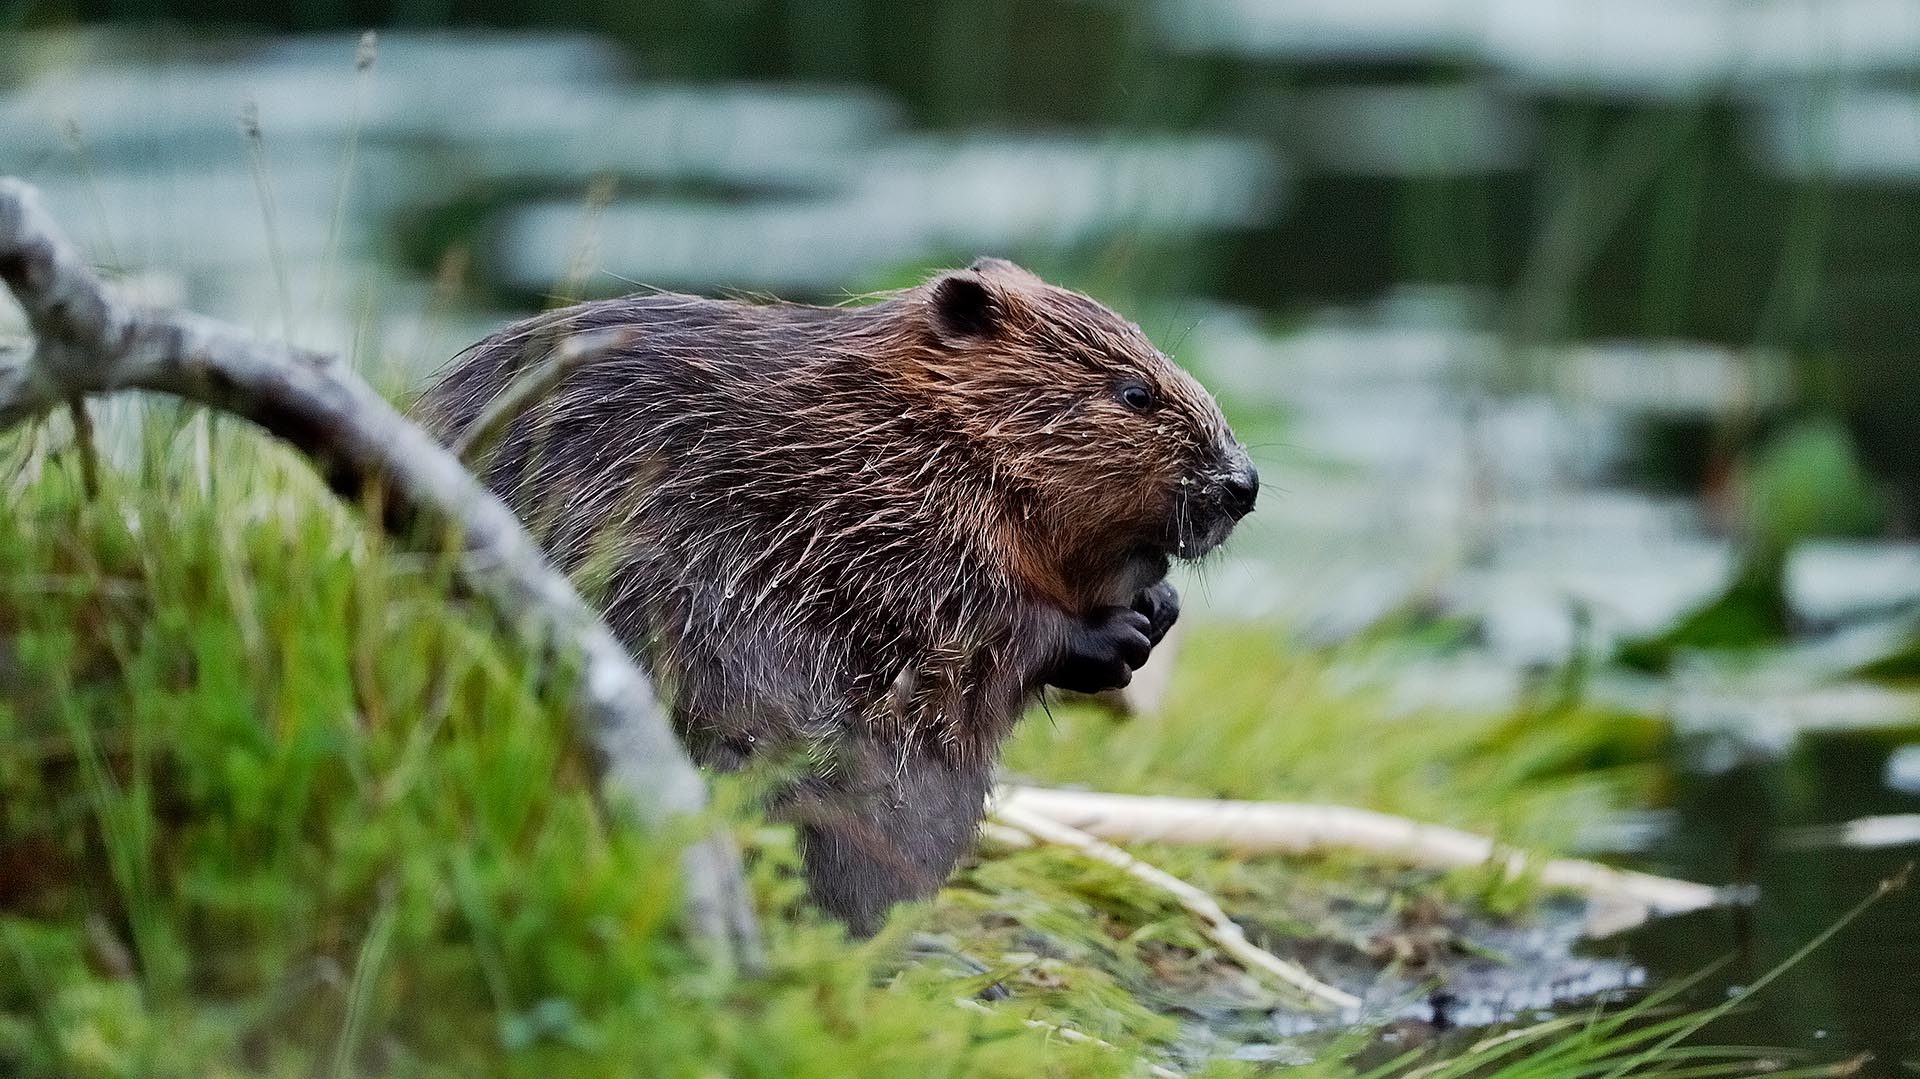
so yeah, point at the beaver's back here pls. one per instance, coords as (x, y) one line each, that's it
(772, 519)
(690, 364)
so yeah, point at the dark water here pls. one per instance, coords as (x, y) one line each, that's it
(1756, 824)
(1860, 993)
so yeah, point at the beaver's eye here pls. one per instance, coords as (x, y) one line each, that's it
(1136, 396)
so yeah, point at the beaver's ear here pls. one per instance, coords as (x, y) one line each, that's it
(965, 304)
(988, 264)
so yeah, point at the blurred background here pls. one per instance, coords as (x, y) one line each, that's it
(1576, 341)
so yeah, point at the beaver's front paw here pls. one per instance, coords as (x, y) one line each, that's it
(1161, 604)
(1104, 650)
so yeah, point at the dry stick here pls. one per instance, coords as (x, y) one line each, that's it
(1214, 921)
(89, 344)
(1281, 828)
(363, 58)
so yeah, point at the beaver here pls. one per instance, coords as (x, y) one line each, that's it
(866, 536)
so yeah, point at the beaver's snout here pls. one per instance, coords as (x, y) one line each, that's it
(1239, 488)
(1225, 495)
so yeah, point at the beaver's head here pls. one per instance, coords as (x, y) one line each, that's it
(1112, 459)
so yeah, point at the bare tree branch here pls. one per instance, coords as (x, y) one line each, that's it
(1287, 828)
(86, 343)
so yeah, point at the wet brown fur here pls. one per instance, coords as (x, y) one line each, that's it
(861, 533)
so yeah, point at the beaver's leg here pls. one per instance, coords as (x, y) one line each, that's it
(894, 842)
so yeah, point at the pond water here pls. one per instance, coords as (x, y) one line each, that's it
(1747, 824)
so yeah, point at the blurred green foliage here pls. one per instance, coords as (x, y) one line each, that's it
(1808, 482)
(1805, 483)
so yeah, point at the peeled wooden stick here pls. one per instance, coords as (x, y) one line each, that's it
(88, 343)
(1282, 828)
(1219, 928)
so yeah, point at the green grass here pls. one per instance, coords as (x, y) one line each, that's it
(274, 803)
(271, 804)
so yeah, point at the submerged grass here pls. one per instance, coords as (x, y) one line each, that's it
(275, 802)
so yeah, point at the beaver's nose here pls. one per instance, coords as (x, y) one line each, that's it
(1240, 488)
